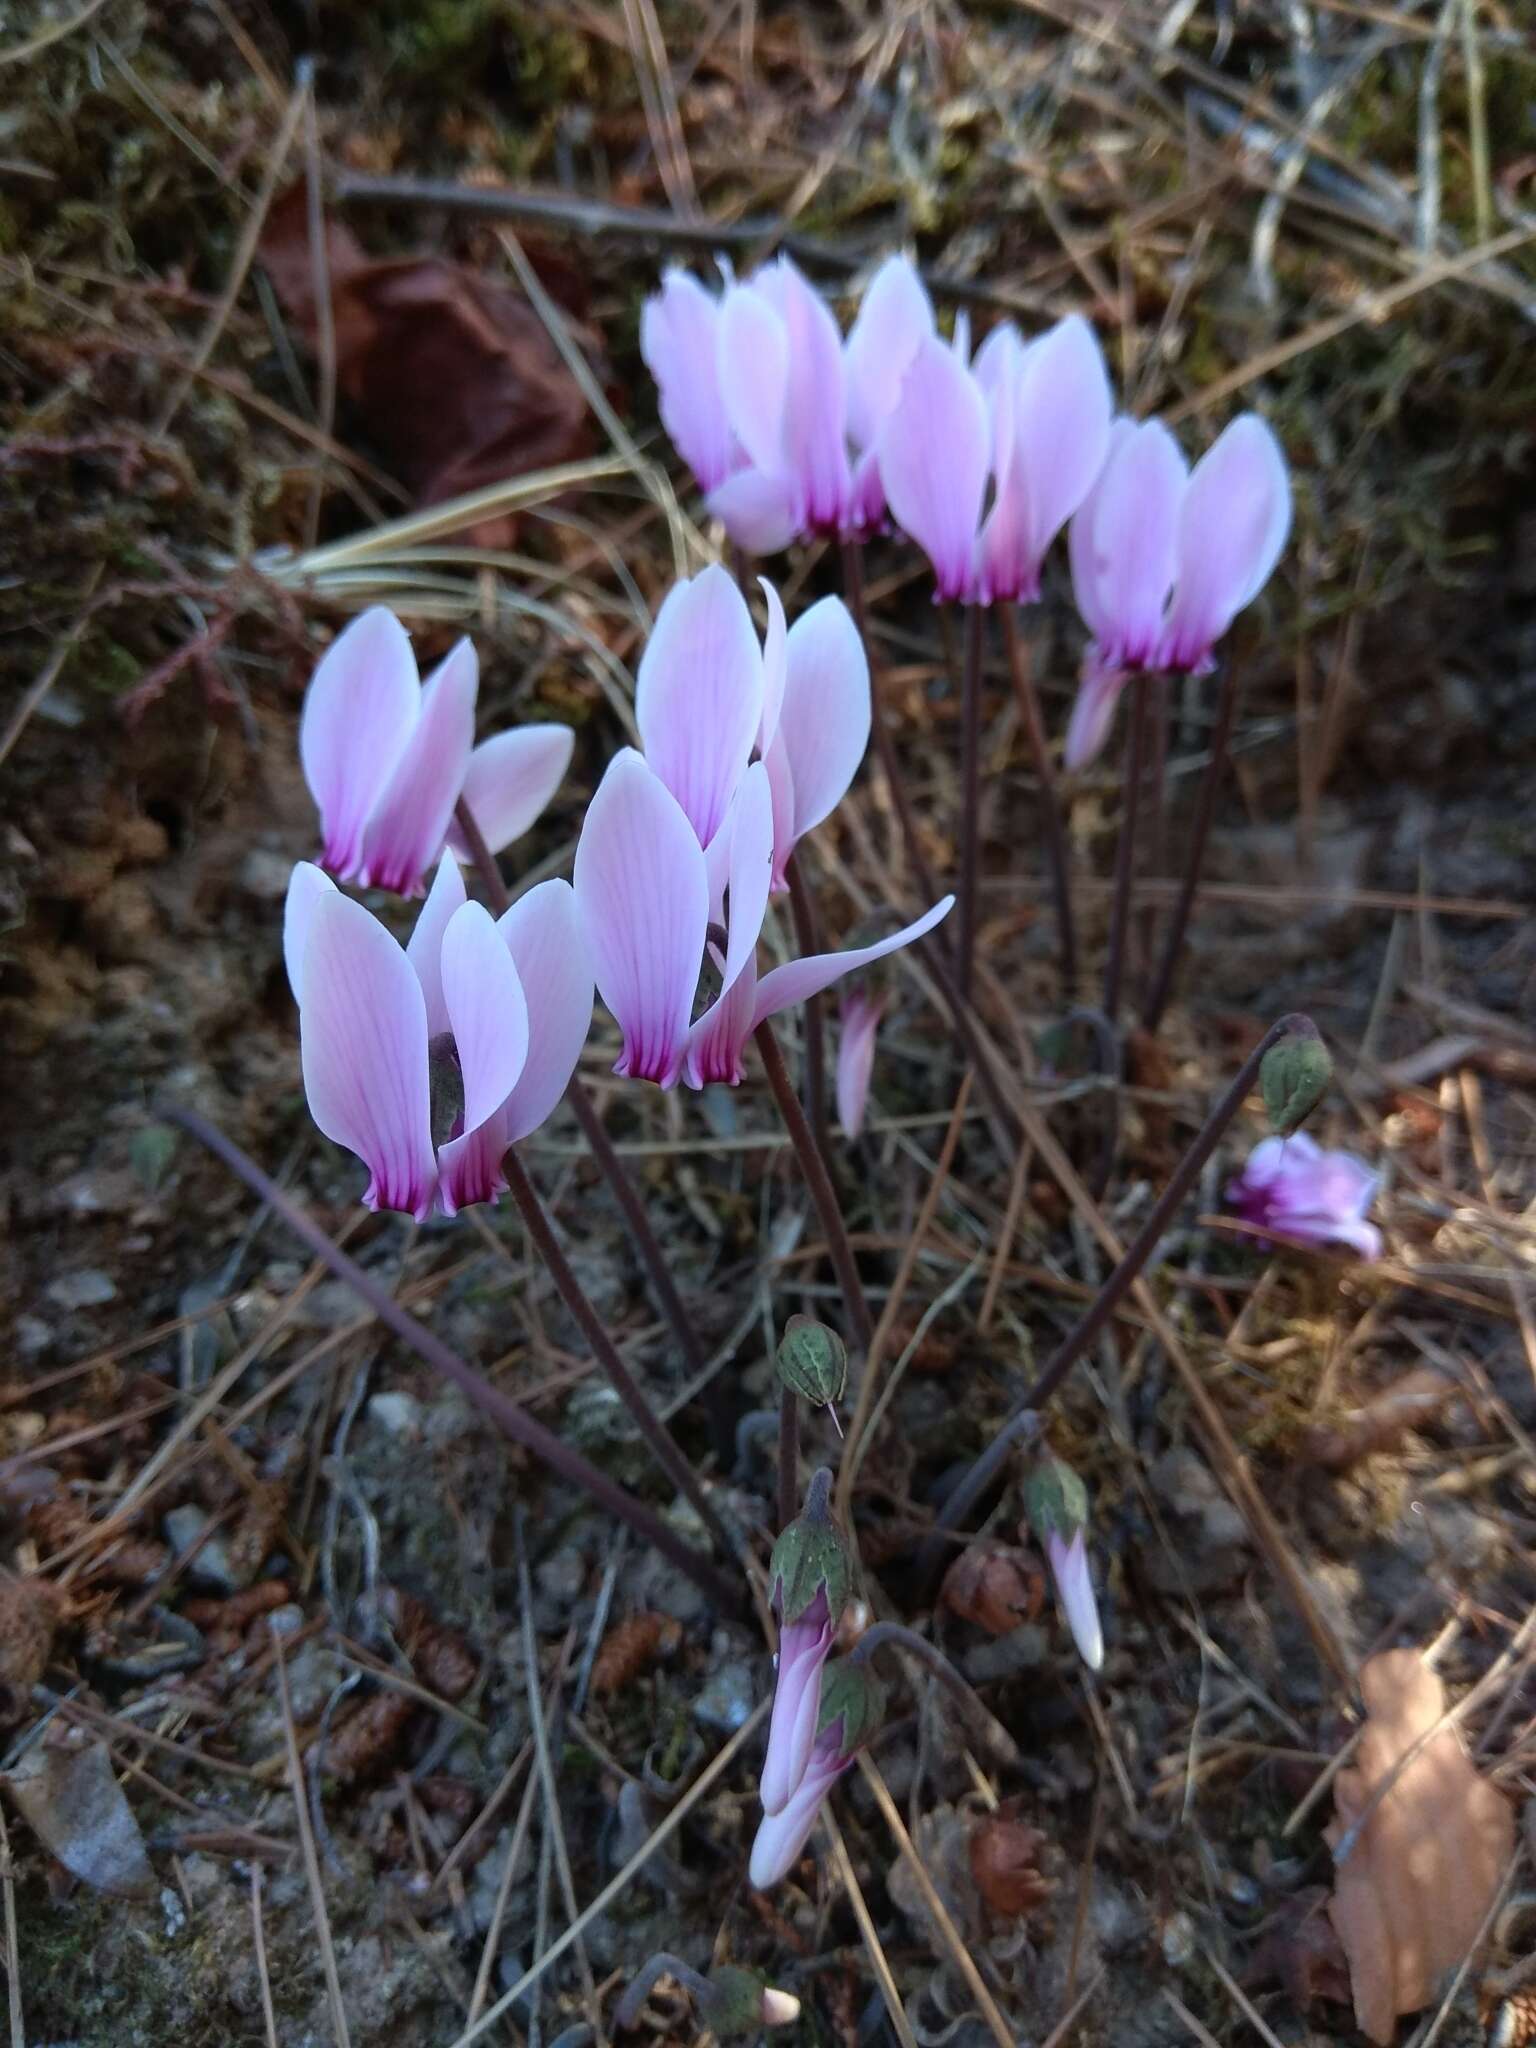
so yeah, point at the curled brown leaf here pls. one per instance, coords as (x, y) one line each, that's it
(995, 1588)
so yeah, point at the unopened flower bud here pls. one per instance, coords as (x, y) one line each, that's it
(1055, 1499)
(852, 1704)
(1294, 1076)
(811, 1557)
(737, 2001)
(812, 1361)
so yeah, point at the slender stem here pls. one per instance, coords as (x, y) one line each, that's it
(644, 1982)
(507, 1414)
(1194, 861)
(970, 796)
(817, 1181)
(1050, 806)
(1125, 851)
(1155, 799)
(974, 1482)
(892, 1635)
(663, 1444)
(1107, 1060)
(890, 767)
(803, 910)
(611, 1166)
(789, 1455)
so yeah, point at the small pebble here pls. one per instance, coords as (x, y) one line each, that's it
(88, 1288)
(726, 1698)
(396, 1414)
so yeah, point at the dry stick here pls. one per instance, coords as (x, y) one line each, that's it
(663, 1444)
(612, 1168)
(789, 1455)
(818, 1184)
(1125, 851)
(507, 1414)
(979, 1477)
(803, 910)
(970, 795)
(1050, 808)
(1205, 810)
(300, 1792)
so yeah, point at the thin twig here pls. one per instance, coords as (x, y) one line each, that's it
(1194, 860)
(300, 1792)
(259, 1943)
(789, 1455)
(1056, 849)
(1125, 851)
(12, 1940)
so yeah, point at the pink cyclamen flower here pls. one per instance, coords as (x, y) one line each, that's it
(1295, 1190)
(895, 318)
(1164, 557)
(505, 1004)
(1068, 1559)
(984, 463)
(856, 1057)
(804, 1646)
(753, 393)
(387, 757)
(783, 1835)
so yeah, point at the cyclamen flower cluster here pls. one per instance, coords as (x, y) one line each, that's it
(429, 1061)
(982, 462)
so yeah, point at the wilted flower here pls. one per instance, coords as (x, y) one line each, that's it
(852, 1706)
(488, 1017)
(1030, 416)
(1291, 1188)
(387, 758)
(1165, 557)
(856, 1057)
(766, 404)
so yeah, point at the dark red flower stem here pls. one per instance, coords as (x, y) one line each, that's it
(1194, 860)
(818, 1182)
(1125, 852)
(726, 1594)
(975, 1481)
(807, 939)
(622, 1188)
(970, 797)
(789, 1454)
(1056, 849)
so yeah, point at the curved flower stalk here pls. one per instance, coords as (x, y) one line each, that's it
(1295, 1190)
(1165, 557)
(477, 1019)
(769, 407)
(983, 463)
(387, 757)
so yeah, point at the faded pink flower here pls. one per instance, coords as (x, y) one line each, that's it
(1292, 1189)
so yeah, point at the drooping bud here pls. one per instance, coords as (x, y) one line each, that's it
(1055, 1499)
(811, 1557)
(737, 2001)
(1056, 1502)
(852, 1704)
(1294, 1076)
(812, 1361)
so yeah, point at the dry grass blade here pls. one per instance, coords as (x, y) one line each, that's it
(55, 32)
(842, 1863)
(300, 1794)
(965, 1963)
(12, 1943)
(259, 1941)
(615, 1887)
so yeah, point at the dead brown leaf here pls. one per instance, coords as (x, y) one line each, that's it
(30, 1612)
(453, 373)
(1005, 1862)
(631, 1648)
(1412, 1893)
(68, 1794)
(997, 1589)
(1381, 1423)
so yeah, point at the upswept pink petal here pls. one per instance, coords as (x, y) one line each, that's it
(488, 1015)
(1093, 711)
(804, 1647)
(542, 931)
(1232, 525)
(824, 723)
(1061, 435)
(642, 891)
(307, 885)
(363, 1047)
(1074, 1589)
(775, 666)
(856, 1059)
(699, 696)
(783, 1835)
(815, 429)
(781, 779)
(679, 343)
(509, 781)
(753, 358)
(996, 369)
(894, 318)
(718, 1041)
(359, 713)
(757, 509)
(1124, 539)
(798, 980)
(935, 452)
(424, 949)
(407, 828)
(751, 870)
(1002, 566)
